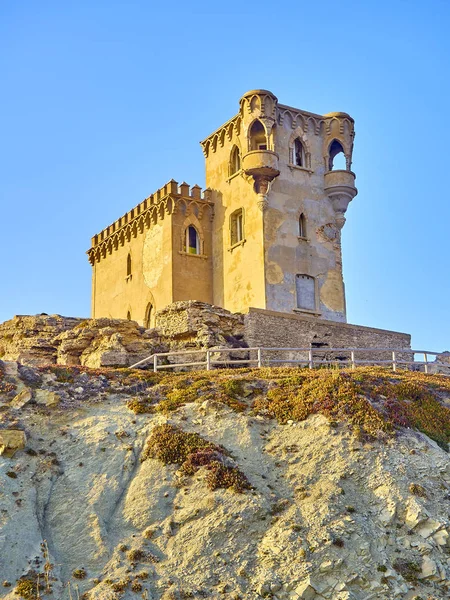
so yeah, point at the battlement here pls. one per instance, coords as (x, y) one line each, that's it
(164, 200)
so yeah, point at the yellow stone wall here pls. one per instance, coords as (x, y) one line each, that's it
(162, 272)
(262, 270)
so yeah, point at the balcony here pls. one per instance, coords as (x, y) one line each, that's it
(340, 179)
(340, 188)
(262, 163)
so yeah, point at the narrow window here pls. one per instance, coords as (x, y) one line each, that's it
(235, 161)
(306, 292)
(237, 226)
(129, 265)
(129, 316)
(148, 316)
(302, 226)
(258, 139)
(299, 153)
(337, 157)
(192, 240)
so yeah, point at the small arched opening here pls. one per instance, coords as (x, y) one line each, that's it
(148, 319)
(129, 316)
(128, 266)
(235, 161)
(257, 136)
(336, 155)
(302, 226)
(192, 240)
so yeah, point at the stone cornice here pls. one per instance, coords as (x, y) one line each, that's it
(166, 200)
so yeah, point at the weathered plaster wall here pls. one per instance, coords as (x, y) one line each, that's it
(295, 191)
(238, 272)
(162, 272)
(114, 294)
(262, 271)
(191, 273)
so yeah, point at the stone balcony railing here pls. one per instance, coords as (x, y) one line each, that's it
(263, 163)
(340, 179)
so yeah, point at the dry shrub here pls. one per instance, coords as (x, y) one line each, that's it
(222, 476)
(172, 445)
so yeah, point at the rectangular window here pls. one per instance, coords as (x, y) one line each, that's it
(237, 227)
(306, 292)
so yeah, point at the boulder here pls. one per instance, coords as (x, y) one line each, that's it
(47, 398)
(21, 399)
(11, 440)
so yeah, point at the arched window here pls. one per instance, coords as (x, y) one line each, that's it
(302, 226)
(336, 157)
(305, 286)
(299, 153)
(129, 266)
(257, 136)
(129, 316)
(192, 240)
(237, 227)
(148, 316)
(235, 161)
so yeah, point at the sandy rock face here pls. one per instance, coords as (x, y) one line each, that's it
(11, 440)
(31, 339)
(50, 339)
(328, 516)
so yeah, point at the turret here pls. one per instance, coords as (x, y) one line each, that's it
(258, 110)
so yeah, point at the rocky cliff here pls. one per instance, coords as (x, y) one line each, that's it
(241, 484)
(46, 339)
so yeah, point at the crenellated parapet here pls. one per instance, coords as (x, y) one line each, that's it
(168, 200)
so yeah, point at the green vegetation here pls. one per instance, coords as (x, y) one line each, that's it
(374, 401)
(26, 588)
(79, 573)
(172, 445)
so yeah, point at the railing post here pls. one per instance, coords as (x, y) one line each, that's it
(394, 361)
(155, 363)
(208, 360)
(259, 358)
(311, 364)
(425, 356)
(353, 360)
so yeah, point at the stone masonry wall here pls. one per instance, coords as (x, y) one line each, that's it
(280, 330)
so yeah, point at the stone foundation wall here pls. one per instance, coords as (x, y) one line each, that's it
(281, 330)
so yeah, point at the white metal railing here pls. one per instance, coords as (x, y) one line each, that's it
(259, 357)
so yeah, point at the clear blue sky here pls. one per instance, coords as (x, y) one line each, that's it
(103, 102)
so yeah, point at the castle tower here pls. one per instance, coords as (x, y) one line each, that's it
(279, 204)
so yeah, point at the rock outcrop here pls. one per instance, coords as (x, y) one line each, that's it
(125, 486)
(53, 339)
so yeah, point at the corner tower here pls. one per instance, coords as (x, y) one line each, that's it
(280, 197)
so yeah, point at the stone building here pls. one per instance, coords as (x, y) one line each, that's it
(265, 233)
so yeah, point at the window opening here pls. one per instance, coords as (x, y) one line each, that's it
(148, 315)
(306, 292)
(258, 139)
(299, 153)
(129, 265)
(192, 240)
(337, 157)
(237, 226)
(302, 226)
(235, 161)
(129, 316)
